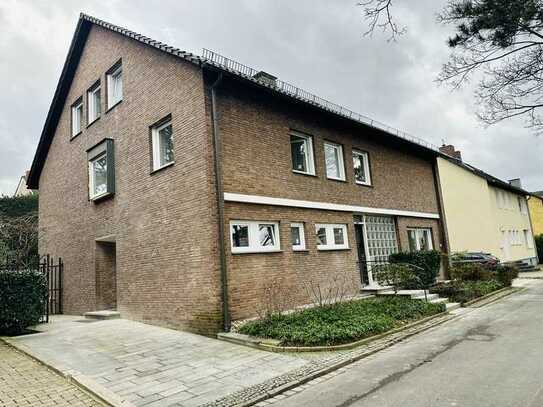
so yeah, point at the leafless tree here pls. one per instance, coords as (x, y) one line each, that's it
(19, 239)
(378, 13)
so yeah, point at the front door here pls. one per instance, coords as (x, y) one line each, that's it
(361, 247)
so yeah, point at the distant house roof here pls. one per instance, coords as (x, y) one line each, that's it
(216, 62)
(538, 193)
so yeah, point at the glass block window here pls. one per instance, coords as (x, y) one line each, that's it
(381, 237)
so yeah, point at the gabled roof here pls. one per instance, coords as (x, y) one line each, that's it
(538, 193)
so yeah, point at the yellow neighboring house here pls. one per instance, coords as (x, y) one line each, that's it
(535, 205)
(483, 213)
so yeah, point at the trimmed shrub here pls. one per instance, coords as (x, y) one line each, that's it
(341, 322)
(427, 264)
(464, 291)
(22, 300)
(471, 272)
(539, 245)
(505, 275)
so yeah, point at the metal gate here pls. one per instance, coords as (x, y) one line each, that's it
(53, 271)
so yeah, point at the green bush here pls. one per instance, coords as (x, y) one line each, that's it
(505, 275)
(471, 272)
(427, 264)
(539, 245)
(341, 322)
(464, 291)
(22, 300)
(14, 207)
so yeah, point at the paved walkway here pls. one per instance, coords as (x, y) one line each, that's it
(24, 382)
(154, 366)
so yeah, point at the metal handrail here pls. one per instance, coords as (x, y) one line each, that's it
(213, 58)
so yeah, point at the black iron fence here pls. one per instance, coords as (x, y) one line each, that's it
(52, 269)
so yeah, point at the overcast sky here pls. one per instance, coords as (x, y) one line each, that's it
(317, 45)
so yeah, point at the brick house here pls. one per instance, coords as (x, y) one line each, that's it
(175, 186)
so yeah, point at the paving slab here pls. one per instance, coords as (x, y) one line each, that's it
(149, 365)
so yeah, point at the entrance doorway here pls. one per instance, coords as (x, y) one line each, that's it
(106, 275)
(361, 248)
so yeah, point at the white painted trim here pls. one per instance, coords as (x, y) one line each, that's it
(267, 200)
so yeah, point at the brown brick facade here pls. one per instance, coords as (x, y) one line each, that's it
(164, 224)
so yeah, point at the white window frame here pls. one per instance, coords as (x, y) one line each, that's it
(301, 229)
(254, 244)
(364, 156)
(155, 137)
(528, 239)
(341, 164)
(310, 157)
(110, 80)
(429, 238)
(330, 241)
(77, 113)
(92, 180)
(91, 96)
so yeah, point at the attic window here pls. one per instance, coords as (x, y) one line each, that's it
(114, 85)
(77, 117)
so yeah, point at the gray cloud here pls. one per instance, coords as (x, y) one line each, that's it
(317, 45)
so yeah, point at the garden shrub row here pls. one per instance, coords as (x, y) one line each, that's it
(426, 266)
(22, 300)
(341, 322)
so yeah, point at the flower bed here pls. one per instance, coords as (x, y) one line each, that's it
(342, 322)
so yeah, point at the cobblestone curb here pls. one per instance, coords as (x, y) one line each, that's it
(85, 383)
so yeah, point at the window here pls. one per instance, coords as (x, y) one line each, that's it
(528, 239)
(522, 205)
(515, 238)
(333, 157)
(77, 117)
(114, 85)
(301, 148)
(254, 237)
(361, 166)
(297, 236)
(101, 170)
(94, 100)
(331, 237)
(162, 144)
(419, 239)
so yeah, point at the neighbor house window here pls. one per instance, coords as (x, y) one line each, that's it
(522, 205)
(101, 170)
(114, 85)
(162, 144)
(528, 239)
(331, 236)
(94, 103)
(301, 147)
(77, 117)
(254, 237)
(333, 156)
(419, 239)
(361, 167)
(297, 236)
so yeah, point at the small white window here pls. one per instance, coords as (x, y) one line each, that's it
(101, 167)
(331, 236)
(301, 149)
(297, 236)
(522, 205)
(77, 116)
(115, 86)
(254, 237)
(162, 142)
(361, 166)
(333, 156)
(420, 239)
(94, 100)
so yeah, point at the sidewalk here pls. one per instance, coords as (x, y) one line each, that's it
(153, 366)
(24, 382)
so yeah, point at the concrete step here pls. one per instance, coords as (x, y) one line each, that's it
(452, 306)
(439, 300)
(428, 297)
(102, 315)
(375, 289)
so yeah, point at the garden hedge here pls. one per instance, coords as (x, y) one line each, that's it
(23, 297)
(13, 207)
(427, 265)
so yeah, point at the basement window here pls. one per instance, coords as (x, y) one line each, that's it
(101, 168)
(254, 236)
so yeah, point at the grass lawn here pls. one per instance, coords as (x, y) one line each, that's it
(341, 323)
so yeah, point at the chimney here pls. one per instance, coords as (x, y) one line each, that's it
(450, 151)
(265, 77)
(515, 182)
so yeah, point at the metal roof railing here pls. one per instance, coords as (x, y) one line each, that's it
(247, 72)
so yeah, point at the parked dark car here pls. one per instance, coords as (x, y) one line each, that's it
(484, 259)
